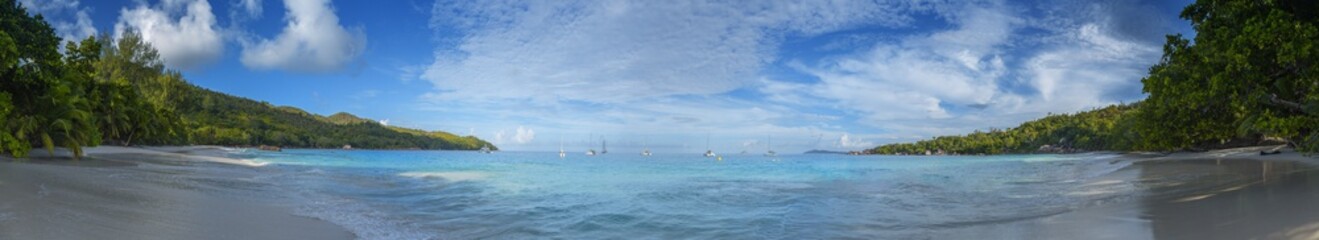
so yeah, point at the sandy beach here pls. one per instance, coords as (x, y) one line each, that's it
(1221, 194)
(138, 193)
(196, 193)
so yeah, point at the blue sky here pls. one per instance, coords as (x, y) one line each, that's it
(838, 75)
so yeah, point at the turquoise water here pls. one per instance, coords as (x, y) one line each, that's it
(448, 194)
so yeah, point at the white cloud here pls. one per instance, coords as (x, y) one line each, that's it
(677, 71)
(915, 77)
(617, 51)
(524, 135)
(313, 41)
(1092, 66)
(521, 135)
(251, 7)
(951, 81)
(847, 142)
(70, 20)
(184, 32)
(662, 122)
(499, 137)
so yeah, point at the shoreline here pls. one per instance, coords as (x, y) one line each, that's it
(1220, 194)
(1286, 154)
(149, 193)
(190, 192)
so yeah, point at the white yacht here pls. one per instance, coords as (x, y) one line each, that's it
(708, 152)
(645, 150)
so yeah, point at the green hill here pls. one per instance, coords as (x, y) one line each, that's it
(343, 118)
(222, 119)
(97, 91)
(1099, 129)
(1249, 77)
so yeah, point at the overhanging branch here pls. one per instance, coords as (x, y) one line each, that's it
(1273, 98)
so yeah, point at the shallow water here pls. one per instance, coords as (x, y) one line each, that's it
(443, 194)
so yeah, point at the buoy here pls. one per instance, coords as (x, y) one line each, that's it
(720, 158)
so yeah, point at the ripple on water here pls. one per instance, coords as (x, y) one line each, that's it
(829, 198)
(452, 176)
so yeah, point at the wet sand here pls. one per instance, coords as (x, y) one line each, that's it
(132, 193)
(1227, 194)
(194, 193)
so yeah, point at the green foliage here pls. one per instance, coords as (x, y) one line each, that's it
(48, 107)
(1250, 71)
(120, 92)
(1100, 129)
(222, 119)
(343, 118)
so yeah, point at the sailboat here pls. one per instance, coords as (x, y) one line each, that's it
(485, 149)
(603, 148)
(768, 146)
(561, 153)
(645, 152)
(708, 152)
(592, 151)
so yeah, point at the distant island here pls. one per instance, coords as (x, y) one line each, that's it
(101, 91)
(818, 151)
(1250, 77)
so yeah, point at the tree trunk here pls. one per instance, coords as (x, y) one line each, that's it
(1273, 98)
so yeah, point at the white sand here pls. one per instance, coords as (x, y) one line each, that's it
(135, 193)
(1248, 153)
(170, 151)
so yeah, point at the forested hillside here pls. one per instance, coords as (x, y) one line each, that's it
(1099, 129)
(217, 118)
(104, 91)
(1249, 75)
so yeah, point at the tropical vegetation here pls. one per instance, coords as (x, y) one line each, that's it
(102, 90)
(1249, 75)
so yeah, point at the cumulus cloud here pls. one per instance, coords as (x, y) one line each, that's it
(251, 7)
(184, 32)
(312, 41)
(616, 51)
(69, 18)
(524, 135)
(521, 135)
(984, 71)
(915, 78)
(847, 142)
(841, 74)
(1095, 69)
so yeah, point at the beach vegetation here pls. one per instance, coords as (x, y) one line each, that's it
(107, 90)
(1249, 75)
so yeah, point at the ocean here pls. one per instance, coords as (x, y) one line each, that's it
(517, 195)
